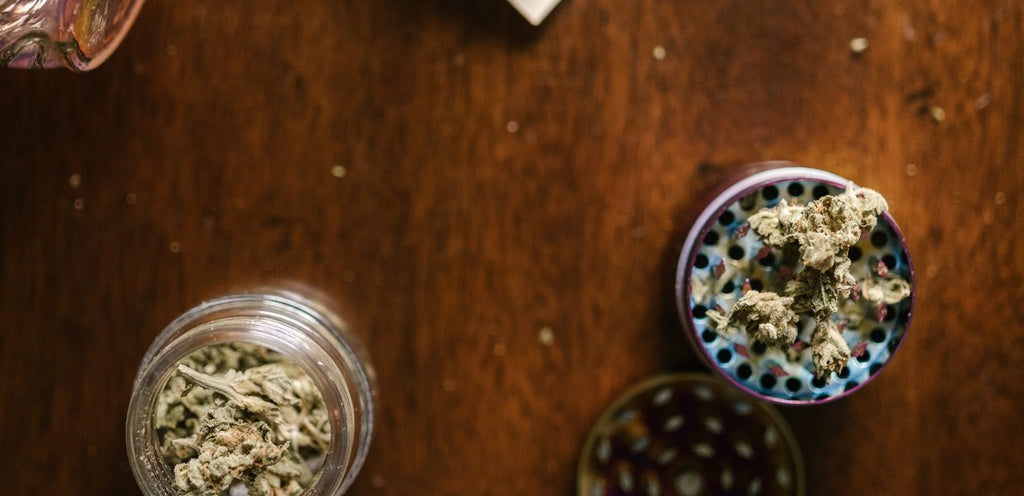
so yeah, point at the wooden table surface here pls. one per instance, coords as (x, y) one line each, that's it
(498, 179)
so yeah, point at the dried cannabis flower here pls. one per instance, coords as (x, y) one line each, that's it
(821, 234)
(767, 317)
(228, 448)
(238, 414)
(885, 291)
(829, 350)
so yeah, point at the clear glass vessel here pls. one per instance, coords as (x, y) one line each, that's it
(77, 34)
(304, 332)
(689, 434)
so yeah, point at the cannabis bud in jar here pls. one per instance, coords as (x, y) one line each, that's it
(815, 239)
(251, 394)
(239, 414)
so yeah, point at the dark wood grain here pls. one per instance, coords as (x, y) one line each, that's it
(501, 179)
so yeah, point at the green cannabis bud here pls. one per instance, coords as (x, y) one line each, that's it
(829, 350)
(767, 317)
(241, 415)
(820, 234)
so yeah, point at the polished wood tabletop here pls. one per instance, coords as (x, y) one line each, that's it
(498, 210)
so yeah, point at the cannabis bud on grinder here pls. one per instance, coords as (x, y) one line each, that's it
(259, 394)
(794, 284)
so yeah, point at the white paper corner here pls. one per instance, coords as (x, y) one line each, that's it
(534, 10)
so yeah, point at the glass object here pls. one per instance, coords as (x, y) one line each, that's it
(689, 434)
(299, 329)
(720, 260)
(77, 34)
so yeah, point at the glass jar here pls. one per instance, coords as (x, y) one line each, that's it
(77, 34)
(688, 434)
(303, 331)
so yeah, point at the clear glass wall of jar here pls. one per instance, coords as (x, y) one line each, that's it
(301, 330)
(77, 34)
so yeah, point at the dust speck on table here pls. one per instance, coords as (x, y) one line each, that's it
(500, 349)
(551, 466)
(546, 336)
(858, 45)
(983, 101)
